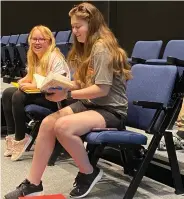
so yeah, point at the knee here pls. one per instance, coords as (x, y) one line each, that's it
(62, 127)
(7, 94)
(47, 124)
(17, 97)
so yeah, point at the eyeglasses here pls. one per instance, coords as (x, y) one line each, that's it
(40, 40)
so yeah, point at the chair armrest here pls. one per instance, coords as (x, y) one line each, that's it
(2, 44)
(156, 62)
(24, 44)
(175, 61)
(136, 60)
(12, 44)
(150, 105)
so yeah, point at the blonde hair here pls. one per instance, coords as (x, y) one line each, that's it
(79, 56)
(32, 59)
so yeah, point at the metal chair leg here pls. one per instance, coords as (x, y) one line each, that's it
(179, 188)
(142, 169)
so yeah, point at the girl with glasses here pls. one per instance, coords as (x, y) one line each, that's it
(43, 56)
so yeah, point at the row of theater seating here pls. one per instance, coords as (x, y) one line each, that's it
(14, 49)
(148, 52)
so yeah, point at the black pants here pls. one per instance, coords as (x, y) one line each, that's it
(14, 101)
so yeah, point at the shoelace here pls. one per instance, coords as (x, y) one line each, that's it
(77, 179)
(80, 180)
(23, 184)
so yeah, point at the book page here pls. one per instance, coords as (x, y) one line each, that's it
(39, 80)
(55, 80)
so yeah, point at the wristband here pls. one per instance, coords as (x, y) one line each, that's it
(69, 95)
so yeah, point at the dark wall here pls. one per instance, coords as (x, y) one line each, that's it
(21, 16)
(148, 21)
(130, 21)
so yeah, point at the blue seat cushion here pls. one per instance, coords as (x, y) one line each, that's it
(37, 112)
(116, 137)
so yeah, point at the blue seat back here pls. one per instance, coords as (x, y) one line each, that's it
(147, 49)
(5, 40)
(22, 39)
(13, 39)
(54, 33)
(174, 48)
(63, 36)
(71, 39)
(150, 83)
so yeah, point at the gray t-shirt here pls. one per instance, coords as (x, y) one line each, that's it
(101, 73)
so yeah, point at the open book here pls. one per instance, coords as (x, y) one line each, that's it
(53, 80)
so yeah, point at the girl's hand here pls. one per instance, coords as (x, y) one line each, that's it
(56, 95)
(26, 86)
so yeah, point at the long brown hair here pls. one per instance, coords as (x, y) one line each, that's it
(32, 59)
(79, 55)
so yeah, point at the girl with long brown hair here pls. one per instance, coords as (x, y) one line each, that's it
(100, 74)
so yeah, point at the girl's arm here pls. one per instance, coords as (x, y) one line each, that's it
(75, 86)
(91, 92)
(25, 79)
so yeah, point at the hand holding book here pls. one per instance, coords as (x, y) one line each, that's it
(56, 95)
(26, 86)
(53, 81)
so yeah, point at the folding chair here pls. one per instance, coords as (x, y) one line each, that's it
(11, 45)
(54, 33)
(11, 53)
(173, 50)
(149, 109)
(21, 54)
(4, 59)
(144, 50)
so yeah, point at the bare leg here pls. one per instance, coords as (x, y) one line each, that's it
(45, 143)
(68, 131)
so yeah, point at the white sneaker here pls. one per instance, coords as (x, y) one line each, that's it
(19, 147)
(178, 142)
(8, 146)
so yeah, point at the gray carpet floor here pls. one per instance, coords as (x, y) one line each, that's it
(59, 179)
